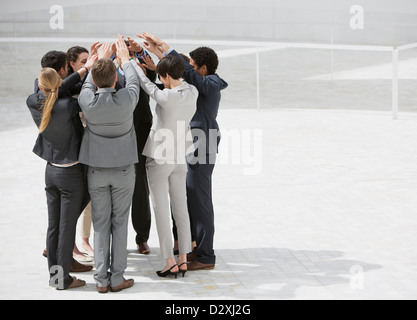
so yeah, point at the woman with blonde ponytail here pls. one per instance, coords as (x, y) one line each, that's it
(59, 141)
(49, 82)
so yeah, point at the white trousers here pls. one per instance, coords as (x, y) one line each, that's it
(167, 184)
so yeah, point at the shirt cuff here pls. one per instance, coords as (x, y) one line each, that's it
(169, 51)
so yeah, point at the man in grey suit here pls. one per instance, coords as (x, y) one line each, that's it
(109, 149)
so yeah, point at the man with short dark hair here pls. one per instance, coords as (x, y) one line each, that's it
(109, 149)
(56, 60)
(200, 72)
(104, 73)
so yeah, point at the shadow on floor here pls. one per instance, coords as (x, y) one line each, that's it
(253, 273)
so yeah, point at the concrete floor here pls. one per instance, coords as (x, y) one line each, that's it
(326, 209)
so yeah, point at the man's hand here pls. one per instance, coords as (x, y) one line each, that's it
(105, 51)
(82, 71)
(93, 58)
(154, 42)
(122, 50)
(148, 36)
(148, 63)
(134, 46)
(151, 46)
(94, 48)
(142, 67)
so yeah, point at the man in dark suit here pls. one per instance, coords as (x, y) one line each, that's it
(200, 72)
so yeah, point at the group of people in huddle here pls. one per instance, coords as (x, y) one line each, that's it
(108, 154)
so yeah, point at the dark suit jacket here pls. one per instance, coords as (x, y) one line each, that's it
(60, 142)
(208, 103)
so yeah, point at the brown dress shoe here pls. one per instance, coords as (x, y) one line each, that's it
(126, 284)
(78, 267)
(195, 265)
(102, 290)
(76, 283)
(143, 248)
(191, 256)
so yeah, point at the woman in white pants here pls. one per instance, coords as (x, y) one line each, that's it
(169, 142)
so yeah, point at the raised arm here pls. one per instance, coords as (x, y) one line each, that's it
(87, 93)
(160, 96)
(132, 81)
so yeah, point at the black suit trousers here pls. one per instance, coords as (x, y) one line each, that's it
(141, 210)
(200, 208)
(67, 196)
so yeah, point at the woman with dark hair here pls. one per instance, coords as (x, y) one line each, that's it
(59, 140)
(77, 58)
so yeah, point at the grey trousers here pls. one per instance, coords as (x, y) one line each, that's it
(167, 184)
(111, 192)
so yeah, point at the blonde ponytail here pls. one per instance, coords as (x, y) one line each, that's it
(49, 82)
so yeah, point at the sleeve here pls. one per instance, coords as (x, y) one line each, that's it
(204, 85)
(68, 83)
(74, 107)
(87, 93)
(150, 88)
(132, 82)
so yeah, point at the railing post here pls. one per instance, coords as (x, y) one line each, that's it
(258, 81)
(332, 54)
(395, 95)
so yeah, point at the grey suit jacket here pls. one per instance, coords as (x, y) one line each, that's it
(170, 139)
(110, 140)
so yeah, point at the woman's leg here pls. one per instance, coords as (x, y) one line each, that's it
(159, 190)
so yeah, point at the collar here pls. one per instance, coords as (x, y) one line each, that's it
(183, 86)
(106, 90)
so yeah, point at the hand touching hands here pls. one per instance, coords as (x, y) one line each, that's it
(105, 51)
(148, 63)
(122, 50)
(134, 46)
(154, 44)
(148, 36)
(93, 58)
(94, 48)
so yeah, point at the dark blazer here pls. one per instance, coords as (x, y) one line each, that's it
(60, 142)
(208, 102)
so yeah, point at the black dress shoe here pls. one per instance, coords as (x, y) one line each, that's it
(167, 273)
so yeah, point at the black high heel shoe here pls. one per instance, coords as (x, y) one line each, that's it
(183, 271)
(168, 273)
